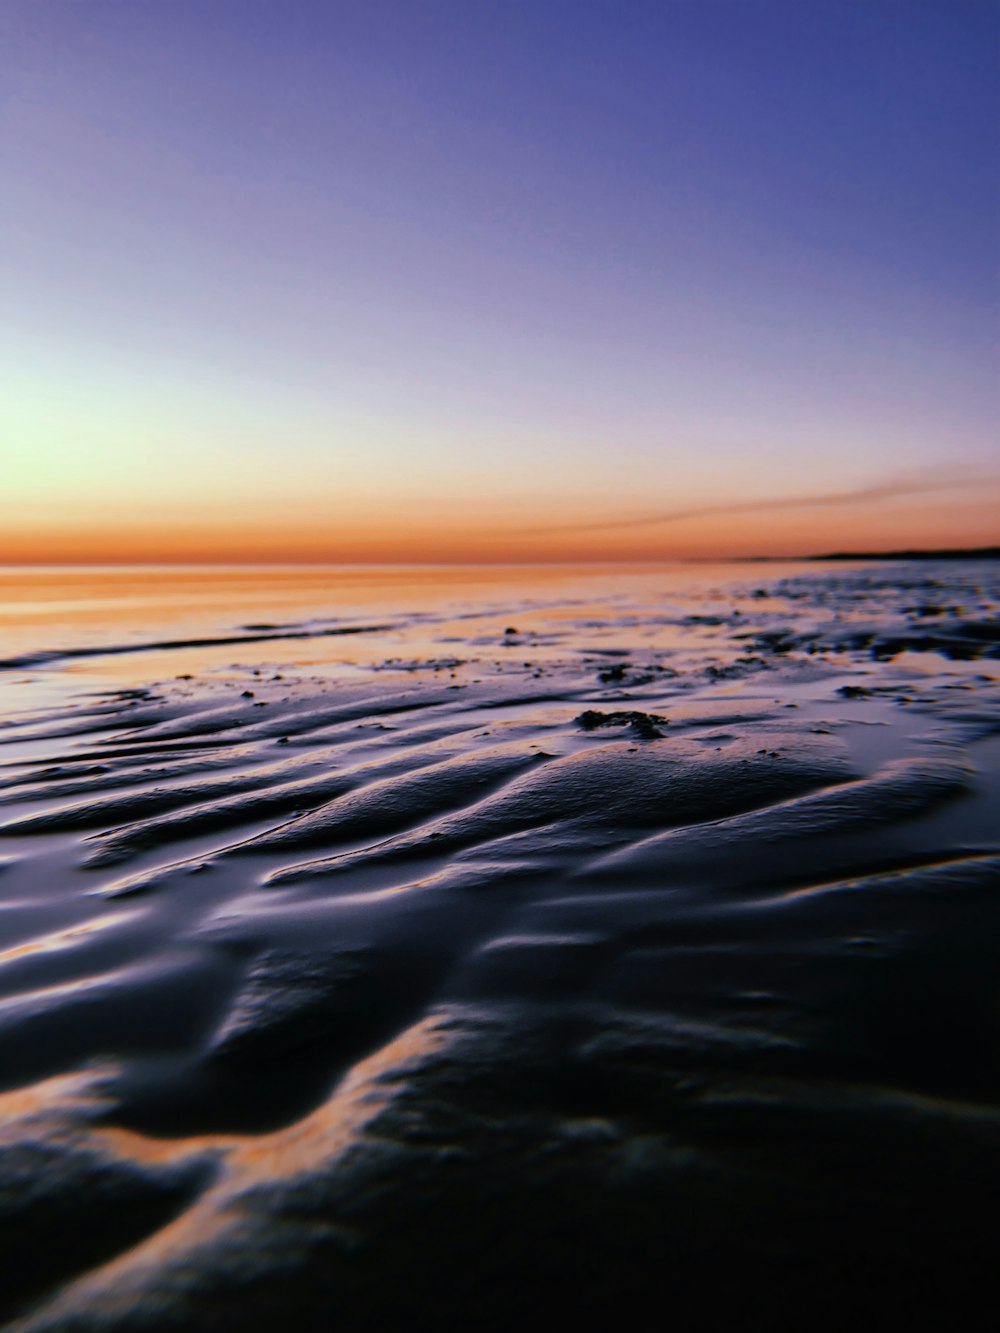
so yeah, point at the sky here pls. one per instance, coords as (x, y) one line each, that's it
(497, 279)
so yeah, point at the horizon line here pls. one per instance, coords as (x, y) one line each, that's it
(948, 552)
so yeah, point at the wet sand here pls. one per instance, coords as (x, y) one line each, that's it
(616, 940)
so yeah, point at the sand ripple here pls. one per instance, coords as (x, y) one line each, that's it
(344, 1002)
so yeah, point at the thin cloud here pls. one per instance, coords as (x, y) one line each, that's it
(863, 495)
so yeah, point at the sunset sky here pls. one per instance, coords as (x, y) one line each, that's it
(497, 279)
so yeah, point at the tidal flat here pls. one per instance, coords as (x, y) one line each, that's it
(412, 948)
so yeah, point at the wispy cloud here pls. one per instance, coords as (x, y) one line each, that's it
(887, 490)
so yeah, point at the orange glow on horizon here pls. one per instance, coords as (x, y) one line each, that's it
(443, 537)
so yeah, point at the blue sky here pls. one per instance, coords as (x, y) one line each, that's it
(349, 262)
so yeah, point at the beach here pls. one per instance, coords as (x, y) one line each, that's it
(412, 947)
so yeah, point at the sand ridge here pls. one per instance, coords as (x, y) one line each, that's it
(341, 997)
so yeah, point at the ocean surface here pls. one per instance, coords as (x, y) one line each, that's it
(414, 947)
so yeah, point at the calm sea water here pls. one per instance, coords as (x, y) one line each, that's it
(120, 621)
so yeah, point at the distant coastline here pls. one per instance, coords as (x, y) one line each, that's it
(946, 553)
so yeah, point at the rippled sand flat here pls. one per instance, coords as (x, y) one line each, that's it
(620, 941)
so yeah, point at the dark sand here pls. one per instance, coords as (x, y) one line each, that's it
(629, 956)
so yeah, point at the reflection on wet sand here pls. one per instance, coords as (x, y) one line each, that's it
(601, 937)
